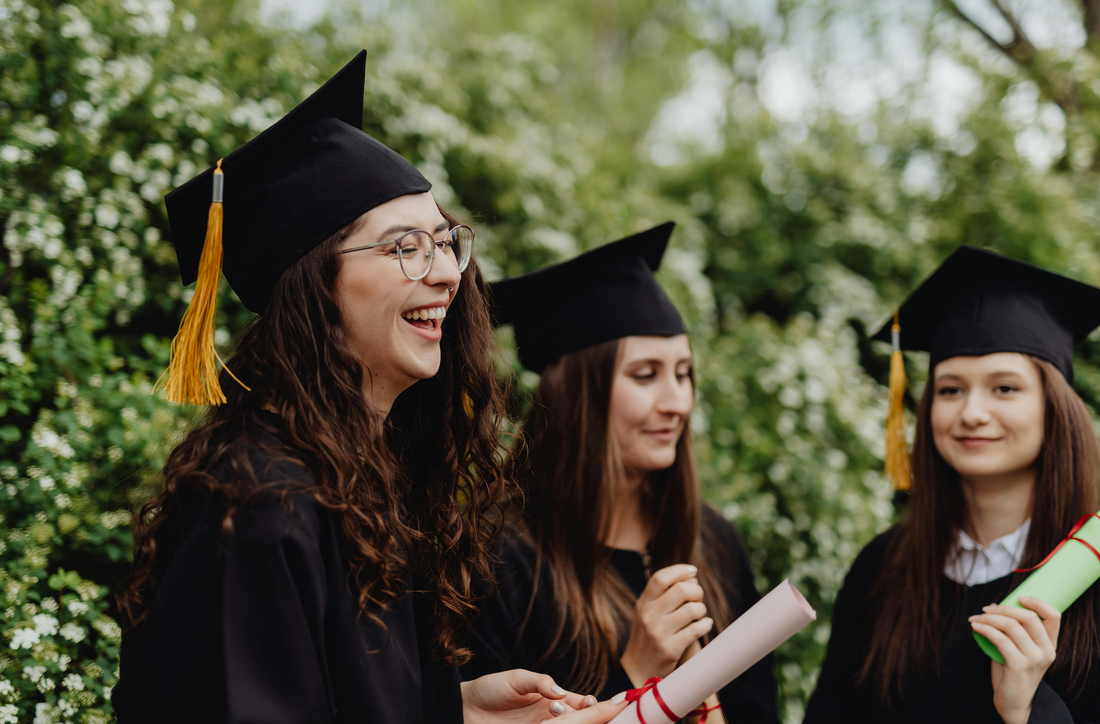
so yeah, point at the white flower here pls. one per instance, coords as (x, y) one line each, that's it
(34, 673)
(6, 687)
(9, 714)
(72, 632)
(78, 608)
(45, 624)
(24, 638)
(73, 682)
(11, 154)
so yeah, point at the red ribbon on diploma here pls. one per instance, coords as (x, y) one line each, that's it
(635, 695)
(1069, 536)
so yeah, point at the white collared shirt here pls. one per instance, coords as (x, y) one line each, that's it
(971, 563)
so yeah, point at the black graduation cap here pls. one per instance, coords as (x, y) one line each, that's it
(604, 294)
(979, 302)
(300, 181)
(266, 205)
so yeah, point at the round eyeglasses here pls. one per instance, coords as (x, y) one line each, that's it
(415, 250)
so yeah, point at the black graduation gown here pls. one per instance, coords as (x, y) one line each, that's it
(750, 698)
(962, 691)
(260, 626)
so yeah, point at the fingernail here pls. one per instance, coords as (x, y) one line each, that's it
(692, 570)
(972, 618)
(590, 701)
(1026, 598)
(988, 608)
(557, 708)
(557, 690)
(619, 698)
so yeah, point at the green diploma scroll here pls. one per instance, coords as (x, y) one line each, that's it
(1061, 579)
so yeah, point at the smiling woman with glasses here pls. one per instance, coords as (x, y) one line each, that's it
(311, 555)
(415, 248)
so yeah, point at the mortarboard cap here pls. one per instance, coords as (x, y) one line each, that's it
(290, 188)
(274, 199)
(604, 294)
(979, 302)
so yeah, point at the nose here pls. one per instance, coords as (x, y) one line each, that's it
(676, 397)
(443, 271)
(974, 412)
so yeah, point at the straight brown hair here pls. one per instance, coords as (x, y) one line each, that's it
(570, 473)
(907, 625)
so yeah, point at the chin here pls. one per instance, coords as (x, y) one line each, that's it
(422, 369)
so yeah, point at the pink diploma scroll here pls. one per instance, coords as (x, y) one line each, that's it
(757, 632)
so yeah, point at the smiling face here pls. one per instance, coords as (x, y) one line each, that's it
(988, 414)
(651, 400)
(393, 324)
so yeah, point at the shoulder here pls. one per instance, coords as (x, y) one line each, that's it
(277, 516)
(867, 565)
(717, 525)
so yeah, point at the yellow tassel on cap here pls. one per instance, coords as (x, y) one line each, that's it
(192, 374)
(898, 467)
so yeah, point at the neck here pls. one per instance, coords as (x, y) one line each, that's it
(997, 505)
(379, 392)
(630, 529)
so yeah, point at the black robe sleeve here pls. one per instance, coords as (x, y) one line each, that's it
(259, 625)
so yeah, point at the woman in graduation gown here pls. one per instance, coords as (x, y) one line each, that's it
(612, 570)
(1005, 461)
(310, 555)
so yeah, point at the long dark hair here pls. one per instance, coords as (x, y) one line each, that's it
(907, 627)
(570, 473)
(417, 490)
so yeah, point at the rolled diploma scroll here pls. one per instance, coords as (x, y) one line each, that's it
(1060, 581)
(756, 633)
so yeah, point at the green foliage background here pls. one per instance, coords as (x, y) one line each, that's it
(544, 123)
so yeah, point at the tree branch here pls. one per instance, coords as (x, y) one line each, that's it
(1022, 51)
(1021, 45)
(1092, 23)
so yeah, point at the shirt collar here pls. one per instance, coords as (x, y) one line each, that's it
(1013, 543)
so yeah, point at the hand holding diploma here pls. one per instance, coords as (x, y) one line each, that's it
(757, 632)
(1061, 578)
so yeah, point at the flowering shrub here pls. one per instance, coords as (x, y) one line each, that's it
(791, 245)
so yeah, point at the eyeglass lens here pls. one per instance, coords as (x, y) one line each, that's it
(418, 248)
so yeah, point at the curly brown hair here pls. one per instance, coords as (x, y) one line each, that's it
(417, 490)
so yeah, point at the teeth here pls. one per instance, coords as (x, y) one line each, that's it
(425, 314)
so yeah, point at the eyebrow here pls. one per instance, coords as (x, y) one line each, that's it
(999, 373)
(401, 229)
(656, 361)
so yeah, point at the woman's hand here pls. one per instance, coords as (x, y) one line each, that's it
(669, 615)
(1026, 640)
(519, 697)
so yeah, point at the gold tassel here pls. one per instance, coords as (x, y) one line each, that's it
(898, 467)
(192, 374)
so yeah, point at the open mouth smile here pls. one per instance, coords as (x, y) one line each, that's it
(426, 318)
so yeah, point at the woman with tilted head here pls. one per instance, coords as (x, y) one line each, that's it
(612, 570)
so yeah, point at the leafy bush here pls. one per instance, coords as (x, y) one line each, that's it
(537, 120)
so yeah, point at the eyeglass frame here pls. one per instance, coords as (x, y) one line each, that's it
(431, 256)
